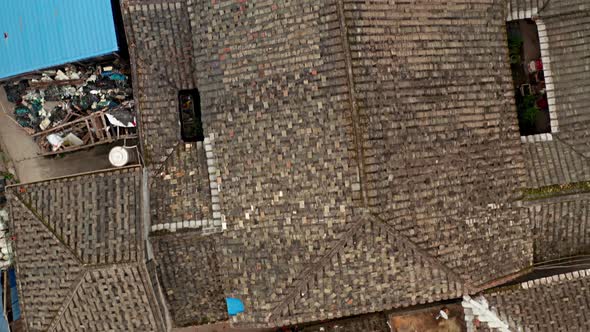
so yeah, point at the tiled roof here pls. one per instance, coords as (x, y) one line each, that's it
(440, 138)
(552, 304)
(345, 133)
(96, 215)
(189, 274)
(564, 157)
(561, 226)
(79, 249)
(521, 9)
(375, 269)
(567, 25)
(564, 7)
(180, 189)
(555, 162)
(161, 31)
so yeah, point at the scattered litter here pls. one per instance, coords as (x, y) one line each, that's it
(121, 118)
(6, 255)
(45, 123)
(55, 140)
(61, 76)
(75, 105)
(72, 140)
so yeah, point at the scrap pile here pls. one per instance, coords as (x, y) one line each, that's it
(76, 106)
(5, 245)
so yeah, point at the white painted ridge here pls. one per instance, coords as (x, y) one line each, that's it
(481, 310)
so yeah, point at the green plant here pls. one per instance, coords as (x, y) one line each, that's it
(515, 48)
(529, 109)
(530, 114)
(7, 175)
(556, 190)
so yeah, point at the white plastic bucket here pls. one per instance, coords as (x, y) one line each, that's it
(119, 156)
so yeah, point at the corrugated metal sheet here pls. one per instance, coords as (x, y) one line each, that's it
(36, 34)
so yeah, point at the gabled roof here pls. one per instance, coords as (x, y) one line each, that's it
(79, 254)
(374, 268)
(391, 125)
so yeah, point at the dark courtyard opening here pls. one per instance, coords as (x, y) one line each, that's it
(528, 77)
(191, 125)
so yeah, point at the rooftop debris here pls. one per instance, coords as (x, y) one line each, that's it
(76, 106)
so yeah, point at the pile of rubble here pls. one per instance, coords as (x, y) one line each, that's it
(61, 107)
(6, 255)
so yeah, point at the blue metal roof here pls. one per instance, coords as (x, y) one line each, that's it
(37, 34)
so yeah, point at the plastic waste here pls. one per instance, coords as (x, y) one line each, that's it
(61, 76)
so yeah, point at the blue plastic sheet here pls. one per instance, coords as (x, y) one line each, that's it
(3, 321)
(13, 294)
(234, 306)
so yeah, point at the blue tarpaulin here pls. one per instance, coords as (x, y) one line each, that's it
(234, 306)
(37, 34)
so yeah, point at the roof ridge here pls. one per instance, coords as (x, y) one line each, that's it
(142, 273)
(308, 272)
(69, 299)
(571, 147)
(543, 7)
(157, 313)
(354, 108)
(425, 255)
(556, 278)
(366, 217)
(41, 220)
(484, 313)
(73, 176)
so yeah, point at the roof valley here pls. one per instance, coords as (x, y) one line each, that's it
(354, 108)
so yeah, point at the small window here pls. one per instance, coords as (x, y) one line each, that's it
(191, 125)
